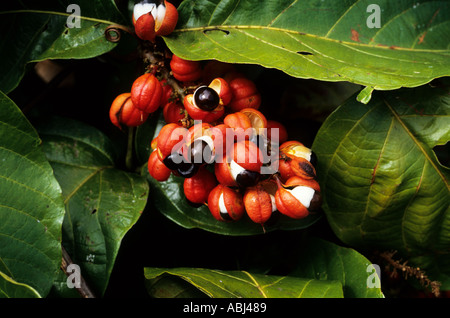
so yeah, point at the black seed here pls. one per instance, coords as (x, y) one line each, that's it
(247, 178)
(187, 169)
(173, 160)
(225, 216)
(308, 168)
(206, 98)
(316, 202)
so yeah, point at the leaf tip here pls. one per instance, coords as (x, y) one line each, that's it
(365, 95)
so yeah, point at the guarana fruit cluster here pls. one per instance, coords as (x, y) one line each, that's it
(232, 158)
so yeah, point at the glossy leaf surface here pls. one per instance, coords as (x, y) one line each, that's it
(242, 284)
(102, 201)
(31, 207)
(324, 40)
(34, 31)
(383, 184)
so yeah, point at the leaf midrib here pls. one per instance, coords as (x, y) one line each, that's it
(416, 142)
(85, 180)
(276, 29)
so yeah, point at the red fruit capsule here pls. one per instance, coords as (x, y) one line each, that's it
(297, 197)
(145, 27)
(240, 124)
(298, 160)
(290, 166)
(259, 204)
(199, 114)
(225, 204)
(166, 19)
(245, 94)
(174, 112)
(223, 90)
(295, 148)
(157, 169)
(223, 173)
(248, 155)
(159, 19)
(230, 173)
(146, 93)
(185, 70)
(197, 188)
(171, 138)
(123, 112)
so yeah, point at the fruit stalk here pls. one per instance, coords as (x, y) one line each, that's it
(165, 73)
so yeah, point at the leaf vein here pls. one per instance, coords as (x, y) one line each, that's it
(341, 17)
(282, 12)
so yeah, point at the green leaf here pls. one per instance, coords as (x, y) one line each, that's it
(102, 202)
(382, 184)
(324, 40)
(12, 289)
(35, 32)
(166, 286)
(365, 95)
(168, 197)
(242, 284)
(31, 207)
(324, 260)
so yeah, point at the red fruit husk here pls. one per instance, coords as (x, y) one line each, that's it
(146, 93)
(157, 169)
(184, 70)
(197, 188)
(124, 113)
(169, 22)
(171, 138)
(145, 27)
(258, 204)
(232, 200)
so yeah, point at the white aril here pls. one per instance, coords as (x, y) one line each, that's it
(303, 194)
(142, 8)
(235, 169)
(158, 15)
(274, 206)
(158, 12)
(210, 144)
(222, 207)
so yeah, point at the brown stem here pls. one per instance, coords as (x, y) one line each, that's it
(411, 271)
(84, 289)
(129, 155)
(165, 73)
